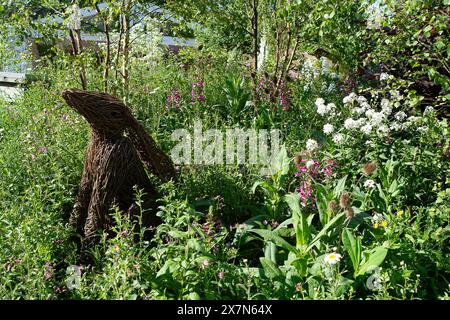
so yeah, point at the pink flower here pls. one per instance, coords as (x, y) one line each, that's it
(43, 150)
(205, 263)
(33, 157)
(221, 275)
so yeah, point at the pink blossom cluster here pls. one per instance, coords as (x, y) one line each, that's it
(198, 90)
(173, 99)
(309, 171)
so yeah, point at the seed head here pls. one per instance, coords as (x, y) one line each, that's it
(344, 201)
(332, 205)
(349, 213)
(369, 168)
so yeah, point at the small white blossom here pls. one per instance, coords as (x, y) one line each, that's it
(358, 110)
(384, 76)
(396, 126)
(328, 128)
(311, 145)
(350, 98)
(385, 103)
(377, 217)
(338, 138)
(400, 116)
(332, 258)
(422, 129)
(366, 129)
(369, 113)
(365, 105)
(310, 164)
(319, 102)
(323, 109)
(361, 99)
(413, 119)
(369, 184)
(383, 130)
(350, 124)
(428, 110)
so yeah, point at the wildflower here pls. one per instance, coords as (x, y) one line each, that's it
(369, 184)
(350, 124)
(327, 170)
(384, 76)
(361, 99)
(205, 263)
(221, 275)
(328, 128)
(358, 110)
(311, 145)
(400, 116)
(48, 271)
(33, 157)
(428, 110)
(385, 103)
(344, 200)
(338, 138)
(378, 220)
(395, 126)
(319, 102)
(369, 168)
(332, 258)
(310, 164)
(298, 287)
(400, 213)
(43, 150)
(422, 129)
(367, 129)
(377, 118)
(350, 98)
(383, 130)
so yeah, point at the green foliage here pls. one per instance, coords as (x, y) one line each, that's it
(361, 213)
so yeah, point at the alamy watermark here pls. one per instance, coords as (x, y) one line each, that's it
(229, 146)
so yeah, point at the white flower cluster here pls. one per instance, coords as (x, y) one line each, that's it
(378, 118)
(324, 109)
(311, 145)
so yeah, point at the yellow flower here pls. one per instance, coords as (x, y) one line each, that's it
(376, 225)
(384, 223)
(400, 213)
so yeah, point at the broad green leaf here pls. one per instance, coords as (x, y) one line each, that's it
(353, 247)
(325, 229)
(340, 187)
(271, 270)
(271, 236)
(375, 259)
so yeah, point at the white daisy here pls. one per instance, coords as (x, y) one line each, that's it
(332, 258)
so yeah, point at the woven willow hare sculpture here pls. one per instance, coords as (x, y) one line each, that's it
(118, 153)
